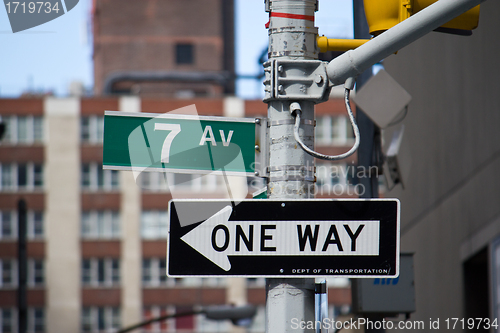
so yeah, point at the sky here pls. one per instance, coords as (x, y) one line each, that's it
(47, 58)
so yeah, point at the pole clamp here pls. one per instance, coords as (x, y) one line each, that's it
(304, 80)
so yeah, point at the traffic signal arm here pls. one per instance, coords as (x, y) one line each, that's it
(354, 62)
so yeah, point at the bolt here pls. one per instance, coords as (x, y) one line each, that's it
(257, 121)
(281, 89)
(280, 69)
(318, 79)
(256, 173)
(257, 147)
(282, 204)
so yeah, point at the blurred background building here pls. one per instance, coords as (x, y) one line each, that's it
(450, 206)
(96, 238)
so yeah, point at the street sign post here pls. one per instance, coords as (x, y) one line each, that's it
(180, 143)
(284, 238)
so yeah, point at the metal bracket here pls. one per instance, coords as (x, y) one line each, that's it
(261, 147)
(287, 79)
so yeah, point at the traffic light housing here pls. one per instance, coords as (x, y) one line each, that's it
(384, 14)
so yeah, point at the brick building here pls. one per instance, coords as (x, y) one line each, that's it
(96, 240)
(170, 48)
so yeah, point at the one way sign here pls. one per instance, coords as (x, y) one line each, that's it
(271, 238)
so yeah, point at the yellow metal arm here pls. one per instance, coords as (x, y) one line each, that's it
(329, 44)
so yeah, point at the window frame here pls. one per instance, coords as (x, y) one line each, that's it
(111, 272)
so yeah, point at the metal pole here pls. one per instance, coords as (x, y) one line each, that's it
(292, 35)
(22, 267)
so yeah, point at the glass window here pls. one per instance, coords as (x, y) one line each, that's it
(146, 271)
(100, 224)
(22, 175)
(7, 224)
(38, 175)
(9, 123)
(115, 224)
(184, 54)
(100, 177)
(8, 270)
(115, 318)
(101, 271)
(7, 320)
(115, 271)
(85, 129)
(99, 129)
(154, 224)
(38, 320)
(37, 224)
(86, 271)
(86, 175)
(86, 226)
(115, 180)
(38, 272)
(86, 319)
(101, 319)
(7, 176)
(22, 129)
(38, 129)
(163, 270)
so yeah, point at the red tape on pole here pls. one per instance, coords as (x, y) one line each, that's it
(291, 16)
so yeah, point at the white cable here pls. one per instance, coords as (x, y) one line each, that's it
(296, 110)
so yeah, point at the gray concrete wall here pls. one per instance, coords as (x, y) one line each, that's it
(451, 206)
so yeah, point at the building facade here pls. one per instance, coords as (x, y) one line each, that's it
(163, 48)
(450, 205)
(97, 238)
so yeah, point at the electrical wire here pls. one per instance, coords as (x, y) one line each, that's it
(297, 112)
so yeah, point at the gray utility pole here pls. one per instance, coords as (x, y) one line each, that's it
(292, 36)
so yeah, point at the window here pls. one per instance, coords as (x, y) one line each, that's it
(36, 320)
(36, 273)
(23, 130)
(22, 176)
(100, 272)
(184, 54)
(157, 181)
(256, 282)
(92, 129)
(94, 178)
(8, 320)
(35, 224)
(8, 221)
(100, 224)
(154, 273)
(8, 224)
(167, 325)
(335, 130)
(100, 319)
(154, 224)
(8, 273)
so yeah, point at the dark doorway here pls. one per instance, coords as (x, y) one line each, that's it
(476, 288)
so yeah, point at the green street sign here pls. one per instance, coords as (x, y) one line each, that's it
(180, 143)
